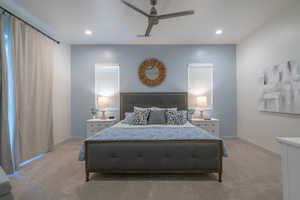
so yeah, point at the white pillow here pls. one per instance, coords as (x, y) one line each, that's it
(140, 108)
(167, 109)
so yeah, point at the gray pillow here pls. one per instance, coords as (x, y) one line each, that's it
(157, 117)
(129, 118)
(184, 115)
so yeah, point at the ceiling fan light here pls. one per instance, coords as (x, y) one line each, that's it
(88, 32)
(219, 32)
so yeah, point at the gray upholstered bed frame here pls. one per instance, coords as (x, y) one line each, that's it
(144, 157)
(147, 100)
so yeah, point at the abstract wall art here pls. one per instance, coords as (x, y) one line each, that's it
(281, 89)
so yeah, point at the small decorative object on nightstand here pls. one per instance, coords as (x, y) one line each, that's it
(211, 125)
(93, 126)
(94, 112)
(191, 112)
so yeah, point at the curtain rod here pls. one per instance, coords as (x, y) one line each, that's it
(10, 13)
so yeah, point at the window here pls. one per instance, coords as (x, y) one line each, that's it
(107, 85)
(200, 83)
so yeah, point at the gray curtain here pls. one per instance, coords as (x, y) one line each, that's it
(33, 56)
(6, 152)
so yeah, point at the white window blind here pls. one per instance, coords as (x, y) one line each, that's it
(200, 83)
(107, 84)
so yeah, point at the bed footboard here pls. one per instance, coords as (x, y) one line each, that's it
(154, 157)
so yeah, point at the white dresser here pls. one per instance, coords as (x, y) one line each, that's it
(212, 125)
(93, 126)
(290, 164)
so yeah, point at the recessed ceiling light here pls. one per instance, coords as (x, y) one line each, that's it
(88, 32)
(219, 32)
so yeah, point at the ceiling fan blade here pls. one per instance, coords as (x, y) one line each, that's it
(135, 8)
(177, 14)
(149, 28)
(141, 36)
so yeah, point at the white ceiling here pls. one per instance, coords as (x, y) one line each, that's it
(114, 23)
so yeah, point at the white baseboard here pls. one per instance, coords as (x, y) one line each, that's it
(77, 137)
(259, 147)
(62, 140)
(229, 137)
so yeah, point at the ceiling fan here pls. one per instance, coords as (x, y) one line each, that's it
(153, 17)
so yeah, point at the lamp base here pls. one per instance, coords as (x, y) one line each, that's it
(202, 114)
(103, 115)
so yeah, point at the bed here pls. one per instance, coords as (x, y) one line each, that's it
(158, 149)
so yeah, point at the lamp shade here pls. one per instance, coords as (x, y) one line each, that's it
(202, 101)
(102, 101)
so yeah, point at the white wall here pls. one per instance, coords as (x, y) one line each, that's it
(275, 43)
(62, 93)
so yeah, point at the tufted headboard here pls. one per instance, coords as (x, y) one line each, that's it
(163, 100)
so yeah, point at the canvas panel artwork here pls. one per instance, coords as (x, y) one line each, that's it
(281, 89)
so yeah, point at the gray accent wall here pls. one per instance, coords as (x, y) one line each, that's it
(175, 57)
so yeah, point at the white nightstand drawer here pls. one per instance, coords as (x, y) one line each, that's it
(93, 126)
(211, 126)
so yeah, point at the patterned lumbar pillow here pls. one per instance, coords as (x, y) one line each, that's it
(176, 117)
(141, 117)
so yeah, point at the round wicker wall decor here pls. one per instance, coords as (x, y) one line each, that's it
(152, 72)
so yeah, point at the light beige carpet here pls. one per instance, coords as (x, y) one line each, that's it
(249, 174)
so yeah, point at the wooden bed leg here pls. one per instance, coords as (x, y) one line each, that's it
(220, 177)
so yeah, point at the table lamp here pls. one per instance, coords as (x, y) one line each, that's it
(103, 103)
(202, 104)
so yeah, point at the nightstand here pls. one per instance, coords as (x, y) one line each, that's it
(93, 126)
(212, 125)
